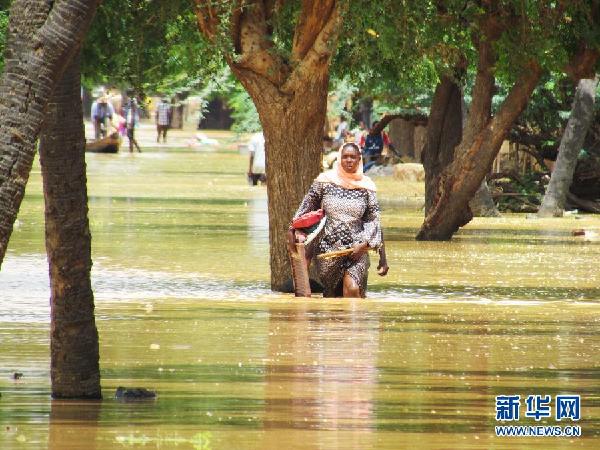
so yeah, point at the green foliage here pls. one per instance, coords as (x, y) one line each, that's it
(521, 193)
(340, 92)
(396, 50)
(152, 46)
(223, 84)
(3, 30)
(244, 113)
(4, 7)
(550, 107)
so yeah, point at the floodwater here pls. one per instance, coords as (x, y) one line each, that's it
(510, 306)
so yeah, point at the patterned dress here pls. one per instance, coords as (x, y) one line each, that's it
(352, 218)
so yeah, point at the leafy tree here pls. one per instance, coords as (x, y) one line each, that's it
(508, 41)
(148, 45)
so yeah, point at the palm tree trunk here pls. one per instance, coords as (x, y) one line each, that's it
(43, 38)
(74, 350)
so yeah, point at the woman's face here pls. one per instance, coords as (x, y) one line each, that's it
(350, 159)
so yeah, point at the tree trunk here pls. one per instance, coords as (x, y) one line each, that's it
(290, 96)
(74, 352)
(582, 113)
(293, 129)
(474, 157)
(444, 132)
(40, 45)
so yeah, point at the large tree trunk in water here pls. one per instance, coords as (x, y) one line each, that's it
(74, 350)
(290, 96)
(40, 45)
(444, 132)
(474, 157)
(293, 129)
(582, 113)
(482, 135)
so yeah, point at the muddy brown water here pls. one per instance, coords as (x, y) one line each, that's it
(180, 245)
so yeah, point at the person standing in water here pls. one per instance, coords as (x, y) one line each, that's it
(256, 161)
(348, 198)
(163, 120)
(132, 117)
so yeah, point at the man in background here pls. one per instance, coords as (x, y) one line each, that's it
(132, 117)
(163, 120)
(256, 166)
(372, 145)
(102, 114)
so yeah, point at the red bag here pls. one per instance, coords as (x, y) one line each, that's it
(309, 219)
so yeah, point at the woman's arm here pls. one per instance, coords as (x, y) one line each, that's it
(371, 235)
(312, 200)
(371, 222)
(382, 267)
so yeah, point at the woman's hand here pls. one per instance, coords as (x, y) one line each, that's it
(382, 267)
(359, 250)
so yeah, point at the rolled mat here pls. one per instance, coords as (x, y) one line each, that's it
(300, 271)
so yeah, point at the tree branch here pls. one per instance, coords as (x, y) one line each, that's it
(250, 37)
(517, 99)
(255, 46)
(321, 50)
(583, 63)
(313, 18)
(481, 107)
(206, 17)
(416, 119)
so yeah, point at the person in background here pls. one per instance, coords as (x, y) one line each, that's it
(163, 120)
(372, 145)
(256, 163)
(359, 132)
(340, 132)
(102, 113)
(132, 117)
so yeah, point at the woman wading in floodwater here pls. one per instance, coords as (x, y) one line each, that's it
(348, 199)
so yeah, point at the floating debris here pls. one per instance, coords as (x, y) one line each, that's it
(134, 393)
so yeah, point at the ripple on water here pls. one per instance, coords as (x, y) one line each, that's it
(25, 289)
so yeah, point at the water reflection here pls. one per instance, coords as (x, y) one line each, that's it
(258, 225)
(183, 307)
(321, 371)
(73, 424)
